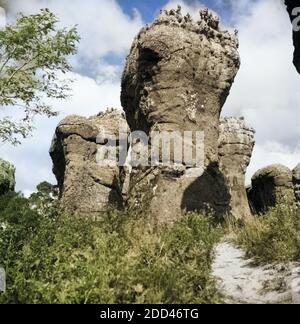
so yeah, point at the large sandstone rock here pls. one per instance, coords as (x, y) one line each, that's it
(291, 4)
(86, 187)
(177, 77)
(296, 182)
(270, 186)
(236, 144)
(7, 177)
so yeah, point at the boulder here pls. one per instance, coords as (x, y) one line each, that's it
(7, 177)
(177, 77)
(270, 186)
(87, 186)
(236, 144)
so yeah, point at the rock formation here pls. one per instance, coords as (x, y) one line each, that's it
(177, 77)
(291, 5)
(270, 186)
(85, 186)
(236, 144)
(176, 80)
(7, 177)
(296, 182)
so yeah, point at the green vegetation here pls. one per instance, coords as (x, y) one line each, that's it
(273, 237)
(7, 177)
(33, 58)
(51, 257)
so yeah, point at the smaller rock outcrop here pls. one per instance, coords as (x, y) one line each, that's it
(7, 177)
(296, 182)
(236, 144)
(87, 186)
(270, 186)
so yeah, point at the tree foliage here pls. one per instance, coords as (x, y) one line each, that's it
(33, 58)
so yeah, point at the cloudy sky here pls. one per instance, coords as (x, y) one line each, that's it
(266, 90)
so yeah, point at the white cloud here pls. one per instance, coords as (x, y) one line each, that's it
(103, 26)
(104, 29)
(266, 90)
(32, 158)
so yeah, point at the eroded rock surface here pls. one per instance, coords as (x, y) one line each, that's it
(270, 186)
(236, 144)
(291, 6)
(177, 77)
(7, 177)
(85, 186)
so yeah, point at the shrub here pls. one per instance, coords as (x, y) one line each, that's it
(57, 258)
(273, 237)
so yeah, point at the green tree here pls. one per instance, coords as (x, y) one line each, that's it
(33, 57)
(45, 199)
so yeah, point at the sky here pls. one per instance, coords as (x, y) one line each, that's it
(266, 89)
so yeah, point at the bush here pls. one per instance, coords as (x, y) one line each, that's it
(273, 237)
(56, 258)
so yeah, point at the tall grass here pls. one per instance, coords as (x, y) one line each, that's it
(272, 237)
(57, 258)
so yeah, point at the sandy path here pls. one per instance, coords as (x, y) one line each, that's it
(242, 282)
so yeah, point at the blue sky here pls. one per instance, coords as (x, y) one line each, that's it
(149, 9)
(265, 92)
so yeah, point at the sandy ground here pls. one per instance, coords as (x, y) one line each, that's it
(242, 282)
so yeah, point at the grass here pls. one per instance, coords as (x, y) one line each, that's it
(273, 237)
(56, 258)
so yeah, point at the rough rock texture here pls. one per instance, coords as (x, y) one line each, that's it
(177, 77)
(85, 186)
(236, 144)
(296, 182)
(270, 186)
(291, 4)
(7, 177)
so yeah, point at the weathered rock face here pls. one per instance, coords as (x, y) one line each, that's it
(7, 177)
(270, 186)
(85, 186)
(236, 144)
(291, 5)
(296, 182)
(177, 77)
